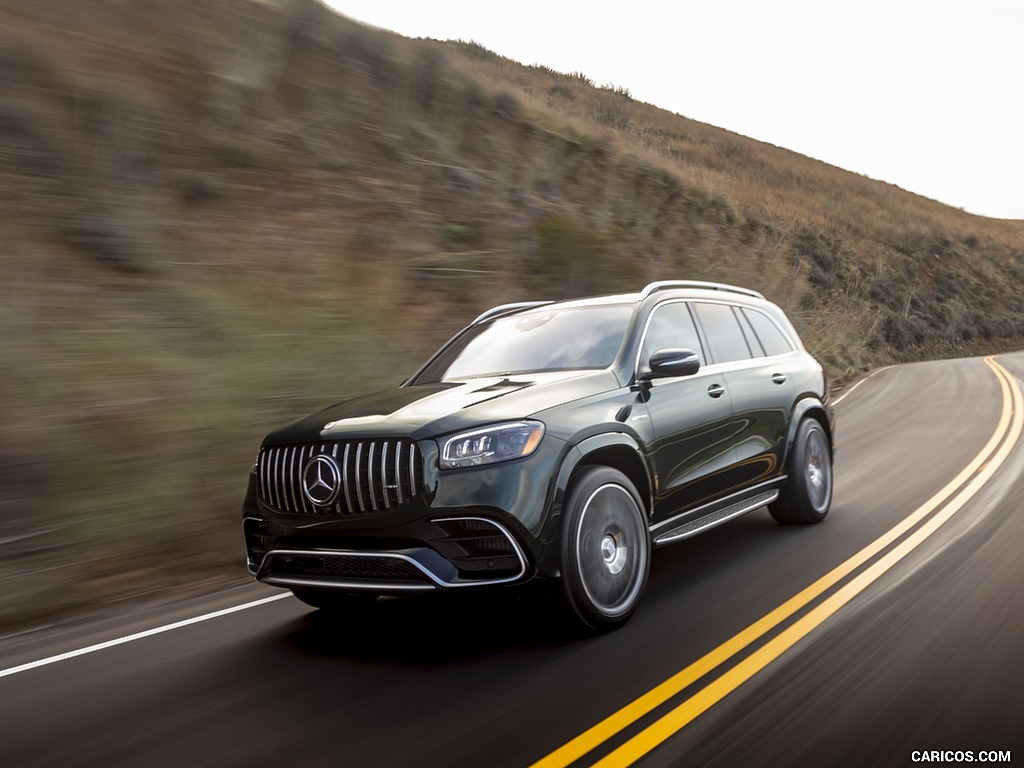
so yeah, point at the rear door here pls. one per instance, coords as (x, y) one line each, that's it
(757, 362)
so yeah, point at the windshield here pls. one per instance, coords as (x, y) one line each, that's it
(552, 340)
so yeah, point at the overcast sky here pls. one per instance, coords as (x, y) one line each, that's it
(925, 94)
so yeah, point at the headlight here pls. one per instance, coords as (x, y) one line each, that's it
(486, 446)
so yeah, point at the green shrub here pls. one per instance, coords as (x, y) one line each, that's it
(108, 238)
(572, 260)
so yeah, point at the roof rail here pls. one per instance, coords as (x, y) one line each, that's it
(665, 285)
(504, 308)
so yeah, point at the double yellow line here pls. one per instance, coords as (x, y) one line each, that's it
(920, 527)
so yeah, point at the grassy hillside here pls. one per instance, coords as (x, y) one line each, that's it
(220, 215)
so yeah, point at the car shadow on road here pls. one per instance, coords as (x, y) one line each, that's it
(432, 628)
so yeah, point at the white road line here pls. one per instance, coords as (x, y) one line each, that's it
(139, 635)
(850, 390)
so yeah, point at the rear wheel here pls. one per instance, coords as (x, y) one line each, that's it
(605, 555)
(333, 600)
(807, 493)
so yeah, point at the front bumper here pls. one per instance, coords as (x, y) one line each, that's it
(473, 527)
(476, 552)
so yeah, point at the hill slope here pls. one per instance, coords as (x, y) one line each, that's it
(220, 215)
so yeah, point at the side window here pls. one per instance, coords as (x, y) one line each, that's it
(725, 337)
(671, 327)
(772, 339)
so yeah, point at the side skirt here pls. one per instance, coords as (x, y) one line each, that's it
(714, 514)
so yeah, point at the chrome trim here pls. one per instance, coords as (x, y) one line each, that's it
(746, 501)
(319, 581)
(325, 465)
(506, 533)
(701, 353)
(368, 586)
(503, 308)
(359, 477)
(749, 362)
(437, 581)
(412, 471)
(341, 479)
(398, 473)
(274, 473)
(742, 365)
(384, 473)
(369, 475)
(344, 478)
(663, 285)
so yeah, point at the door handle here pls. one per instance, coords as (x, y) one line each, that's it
(779, 378)
(716, 390)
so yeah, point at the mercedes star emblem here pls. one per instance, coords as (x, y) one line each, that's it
(321, 480)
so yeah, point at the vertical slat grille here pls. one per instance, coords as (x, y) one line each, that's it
(346, 474)
(384, 473)
(371, 476)
(371, 483)
(359, 477)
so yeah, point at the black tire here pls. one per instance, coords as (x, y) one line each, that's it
(807, 493)
(605, 549)
(332, 600)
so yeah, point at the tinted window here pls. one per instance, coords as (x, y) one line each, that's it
(671, 327)
(725, 338)
(772, 339)
(552, 340)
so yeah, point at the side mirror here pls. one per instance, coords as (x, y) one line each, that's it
(667, 363)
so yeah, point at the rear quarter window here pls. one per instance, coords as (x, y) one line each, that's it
(771, 338)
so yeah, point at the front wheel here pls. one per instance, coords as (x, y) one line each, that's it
(605, 553)
(807, 493)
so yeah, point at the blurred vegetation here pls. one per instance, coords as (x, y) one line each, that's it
(219, 216)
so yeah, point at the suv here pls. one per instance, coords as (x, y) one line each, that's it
(550, 440)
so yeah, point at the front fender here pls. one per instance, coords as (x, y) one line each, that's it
(615, 449)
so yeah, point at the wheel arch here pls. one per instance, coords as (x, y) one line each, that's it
(619, 451)
(810, 407)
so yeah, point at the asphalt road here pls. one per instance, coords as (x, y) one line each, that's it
(913, 648)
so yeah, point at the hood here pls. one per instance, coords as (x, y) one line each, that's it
(430, 410)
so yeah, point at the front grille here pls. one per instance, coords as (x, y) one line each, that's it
(372, 476)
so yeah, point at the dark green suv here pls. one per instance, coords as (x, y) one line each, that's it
(550, 441)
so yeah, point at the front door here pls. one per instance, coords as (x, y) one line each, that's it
(690, 420)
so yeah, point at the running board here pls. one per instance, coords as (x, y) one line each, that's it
(694, 527)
